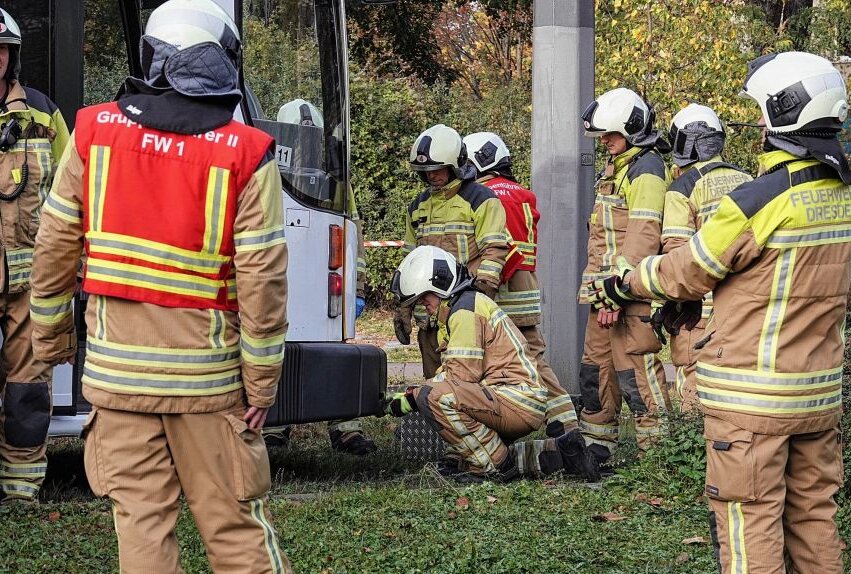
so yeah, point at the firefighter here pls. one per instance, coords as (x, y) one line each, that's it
(702, 178)
(345, 436)
(33, 136)
(487, 391)
(519, 295)
(777, 256)
(456, 214)
(620, 357)
(179, 209)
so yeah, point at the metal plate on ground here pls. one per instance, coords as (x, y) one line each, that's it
(418, 441)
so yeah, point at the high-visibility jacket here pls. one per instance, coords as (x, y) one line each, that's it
(627, 215)
(43, 138)
(519, 296)
(153, 344)
(480, 344)
(692, 199)
(177, 249)
(777, 255)
(466, 219)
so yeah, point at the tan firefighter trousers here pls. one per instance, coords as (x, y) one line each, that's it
(770, 495)
(427, 339)
(142, 461)
(561, 416)
(684, 357)
(607, 375)
(25, 390)
(475, 421)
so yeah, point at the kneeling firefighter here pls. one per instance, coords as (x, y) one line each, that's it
(519, 295)
(487, 391)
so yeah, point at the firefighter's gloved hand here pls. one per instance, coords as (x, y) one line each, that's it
(612, 293)
(360, 303)
(402, 325)
(656, 322)
(678, 315)
(485, 287)
(400, 404)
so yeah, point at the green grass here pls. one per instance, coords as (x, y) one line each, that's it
(339, 514)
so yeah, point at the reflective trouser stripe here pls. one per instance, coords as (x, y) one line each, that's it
(653, 381)
(560, 409)
(605, 435)
(12, 470)
(270, 538)
(481, 444)
(736, 526)
(18, 489)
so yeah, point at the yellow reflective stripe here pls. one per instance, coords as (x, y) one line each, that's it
(255, 240)
(162, 384)
(464, 353)
(22, 469)
(217, 329)
(477, 452)
(19, 277)
(98, 177)
(19, 256)
(677, 231)
(704, 257)
(605, 430)
(610, 236)
(780, 288)
(231, 286)
(490, 268)
(63, 209)
(161, 357)
(270, 539)
(499, 319)
(154, 252)
(769, 404)
(18, 488)
(51, 310)
(755, 381)
(266, 351)
(153, 279)
(446, 229)
(615, 200)
(681, 380)
(100, 317)
(45, 163)
(653, 381)
(215, 208)
(736, 527)
(523, 400)
(530, 223)
(491, 238)
(651, 214)
(463, 249)
(826, 235)
(648, 274)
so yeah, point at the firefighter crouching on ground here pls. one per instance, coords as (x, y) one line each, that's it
(487, 391)
(187, 313)
(33, 136)
(520, 295)
(345, 436)
(777, 255)
(702, 178)
(456, 214)
(620, 357)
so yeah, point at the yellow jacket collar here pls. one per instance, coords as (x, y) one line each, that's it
(448, 190)
(772, 159)
(626, 157)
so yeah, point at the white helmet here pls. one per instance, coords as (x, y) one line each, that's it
(428, 269)
(622, 111)
(300, 112)
(487, 151)
(797, 91)
(194, 46)
(439, 146)
(10, 34)
(696, 134)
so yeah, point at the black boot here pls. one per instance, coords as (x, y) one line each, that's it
(277, 437)
(575, 456)
(352, 443)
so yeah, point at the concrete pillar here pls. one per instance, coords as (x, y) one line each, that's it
(562, 171)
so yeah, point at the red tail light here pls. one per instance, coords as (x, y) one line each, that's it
(335, 294)
(335, 247)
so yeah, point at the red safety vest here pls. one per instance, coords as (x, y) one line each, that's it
(159, 208)
(521, 218)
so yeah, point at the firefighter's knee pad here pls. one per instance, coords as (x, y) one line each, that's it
(629, 388)
(27, 409)
(589, 386)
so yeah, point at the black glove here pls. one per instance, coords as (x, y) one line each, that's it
(657, 325)
(676, 315)
(402, 325)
